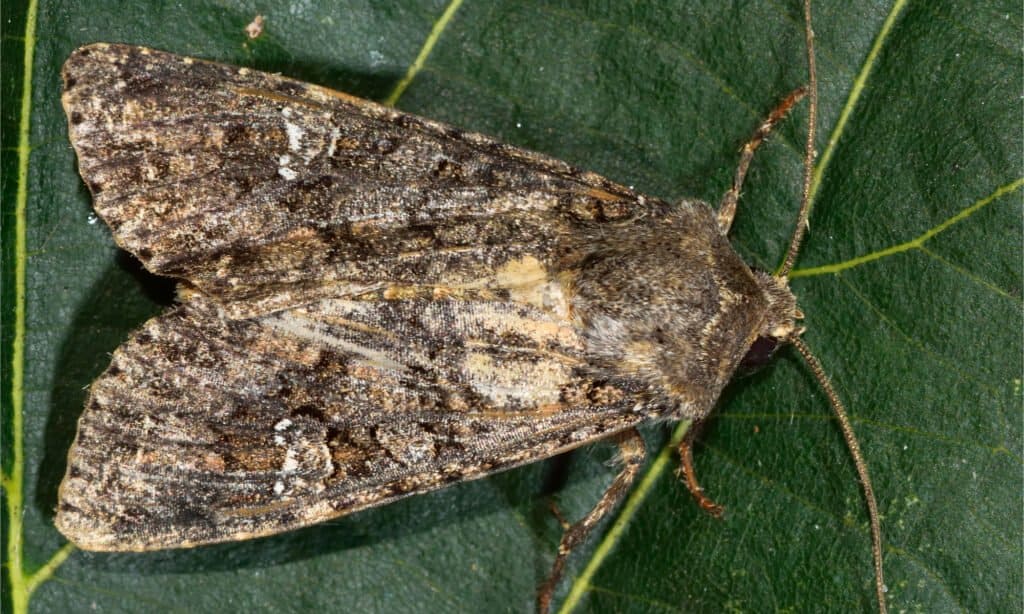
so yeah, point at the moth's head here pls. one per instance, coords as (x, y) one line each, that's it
(781, 322)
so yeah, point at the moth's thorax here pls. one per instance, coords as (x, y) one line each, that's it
(667, 300)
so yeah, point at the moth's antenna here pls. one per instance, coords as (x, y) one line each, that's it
(858, 461)
(812, 362)
(812, 130)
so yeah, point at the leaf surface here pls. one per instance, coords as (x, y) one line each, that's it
(911, 278)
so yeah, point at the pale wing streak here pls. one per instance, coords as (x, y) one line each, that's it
(310, 330)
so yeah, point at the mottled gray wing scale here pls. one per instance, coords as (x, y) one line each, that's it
(244, 183)
(206, 429)
(374, 304)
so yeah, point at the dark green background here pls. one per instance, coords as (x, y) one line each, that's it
(924, 345)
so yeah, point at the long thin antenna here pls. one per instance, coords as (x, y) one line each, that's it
(858, 461)
(809, 152)
(812, 362)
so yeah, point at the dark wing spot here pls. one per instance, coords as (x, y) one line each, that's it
(310, 411)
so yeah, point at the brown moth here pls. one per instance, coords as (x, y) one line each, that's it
(374, 305)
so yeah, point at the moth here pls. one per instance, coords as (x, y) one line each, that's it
(374, 305)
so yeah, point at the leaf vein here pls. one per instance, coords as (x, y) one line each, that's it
(915, 243)
(859, 83)
(428, 46)
(581, 584)
(14, 479)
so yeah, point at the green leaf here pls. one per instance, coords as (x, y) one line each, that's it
(911, 278)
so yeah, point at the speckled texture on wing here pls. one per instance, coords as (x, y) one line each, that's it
(263, 191)
(373, 304)
(205, 429)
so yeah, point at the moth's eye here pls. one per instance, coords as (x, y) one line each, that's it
(759, 354)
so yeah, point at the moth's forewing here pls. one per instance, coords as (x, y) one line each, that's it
(205, 429)
(264, 192)
(375, 305)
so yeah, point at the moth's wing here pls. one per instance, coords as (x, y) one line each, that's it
(262, 191)
(207, 429)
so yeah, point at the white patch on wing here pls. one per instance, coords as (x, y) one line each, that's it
(284, 170)
(528, 383)
(291, 461)
(295, 136)
(335, 135)
(306, 329)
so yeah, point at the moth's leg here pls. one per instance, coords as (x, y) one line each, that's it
(631, 451)
(689, 475)
(557, 513)
(727, 209)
